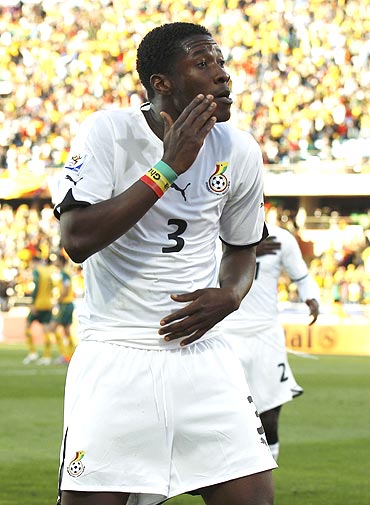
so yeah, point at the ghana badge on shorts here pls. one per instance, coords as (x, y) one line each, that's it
(76, 467)
(218, 182)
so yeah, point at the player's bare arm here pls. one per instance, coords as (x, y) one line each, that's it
(114, 217)
(206, 307)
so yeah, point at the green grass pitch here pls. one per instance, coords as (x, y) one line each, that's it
(325, 434)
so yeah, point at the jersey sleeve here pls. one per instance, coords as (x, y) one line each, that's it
(308, 289)
(88, 175)
(243, 218)
(296, 268)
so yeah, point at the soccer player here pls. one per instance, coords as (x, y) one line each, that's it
(40, 311)
(156, 402)
(61, 323)
(258, 336)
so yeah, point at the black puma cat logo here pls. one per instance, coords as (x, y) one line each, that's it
(72, 180)
(182, 191)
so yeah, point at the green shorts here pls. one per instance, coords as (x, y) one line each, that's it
(65, 313)
(42, 316)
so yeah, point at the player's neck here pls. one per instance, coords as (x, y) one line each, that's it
(154, 121)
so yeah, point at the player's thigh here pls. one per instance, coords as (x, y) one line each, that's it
(255, 489)
(85, 498)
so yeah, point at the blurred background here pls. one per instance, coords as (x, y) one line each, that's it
(300, 83)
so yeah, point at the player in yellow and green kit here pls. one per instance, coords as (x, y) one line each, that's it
(41, 310)
(62, 321)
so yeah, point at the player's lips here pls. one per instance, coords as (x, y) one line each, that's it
(224, 98)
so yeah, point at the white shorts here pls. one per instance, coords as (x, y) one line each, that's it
(158, 423)
(266, 367)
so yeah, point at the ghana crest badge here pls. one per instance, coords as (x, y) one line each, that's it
(76, 467)
(218, 182)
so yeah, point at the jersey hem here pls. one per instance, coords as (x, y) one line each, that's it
(166, 346)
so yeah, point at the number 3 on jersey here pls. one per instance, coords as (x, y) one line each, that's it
(175, 235)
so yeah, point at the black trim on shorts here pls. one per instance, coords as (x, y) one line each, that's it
(59, 499)
(297, 392)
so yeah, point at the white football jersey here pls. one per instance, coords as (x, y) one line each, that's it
(259, 309)
(172, 248)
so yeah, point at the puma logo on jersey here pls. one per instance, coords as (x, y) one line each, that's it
(182, 190)
(72, 180)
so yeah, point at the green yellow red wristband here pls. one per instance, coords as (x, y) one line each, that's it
(159, 178)
(166, 170)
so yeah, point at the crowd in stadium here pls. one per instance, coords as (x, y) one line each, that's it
(299, 69)
(25, 232)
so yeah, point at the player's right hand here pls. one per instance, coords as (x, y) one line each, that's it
(313, 305)
(184, 137)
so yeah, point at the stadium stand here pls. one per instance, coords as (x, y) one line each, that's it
(299, 71)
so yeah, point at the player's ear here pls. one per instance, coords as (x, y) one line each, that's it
(161, 84)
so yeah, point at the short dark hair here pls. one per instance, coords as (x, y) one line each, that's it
(160, 47)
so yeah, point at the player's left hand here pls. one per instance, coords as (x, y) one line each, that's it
(206, 308)
(313, 305)
(268, 246)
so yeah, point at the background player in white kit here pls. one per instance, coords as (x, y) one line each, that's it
(257, 334)
(156, 401)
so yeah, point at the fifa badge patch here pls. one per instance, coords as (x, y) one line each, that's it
(76, 467)
(76, 162)
(218, 182)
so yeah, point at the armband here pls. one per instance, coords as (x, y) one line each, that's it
(159, 178)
